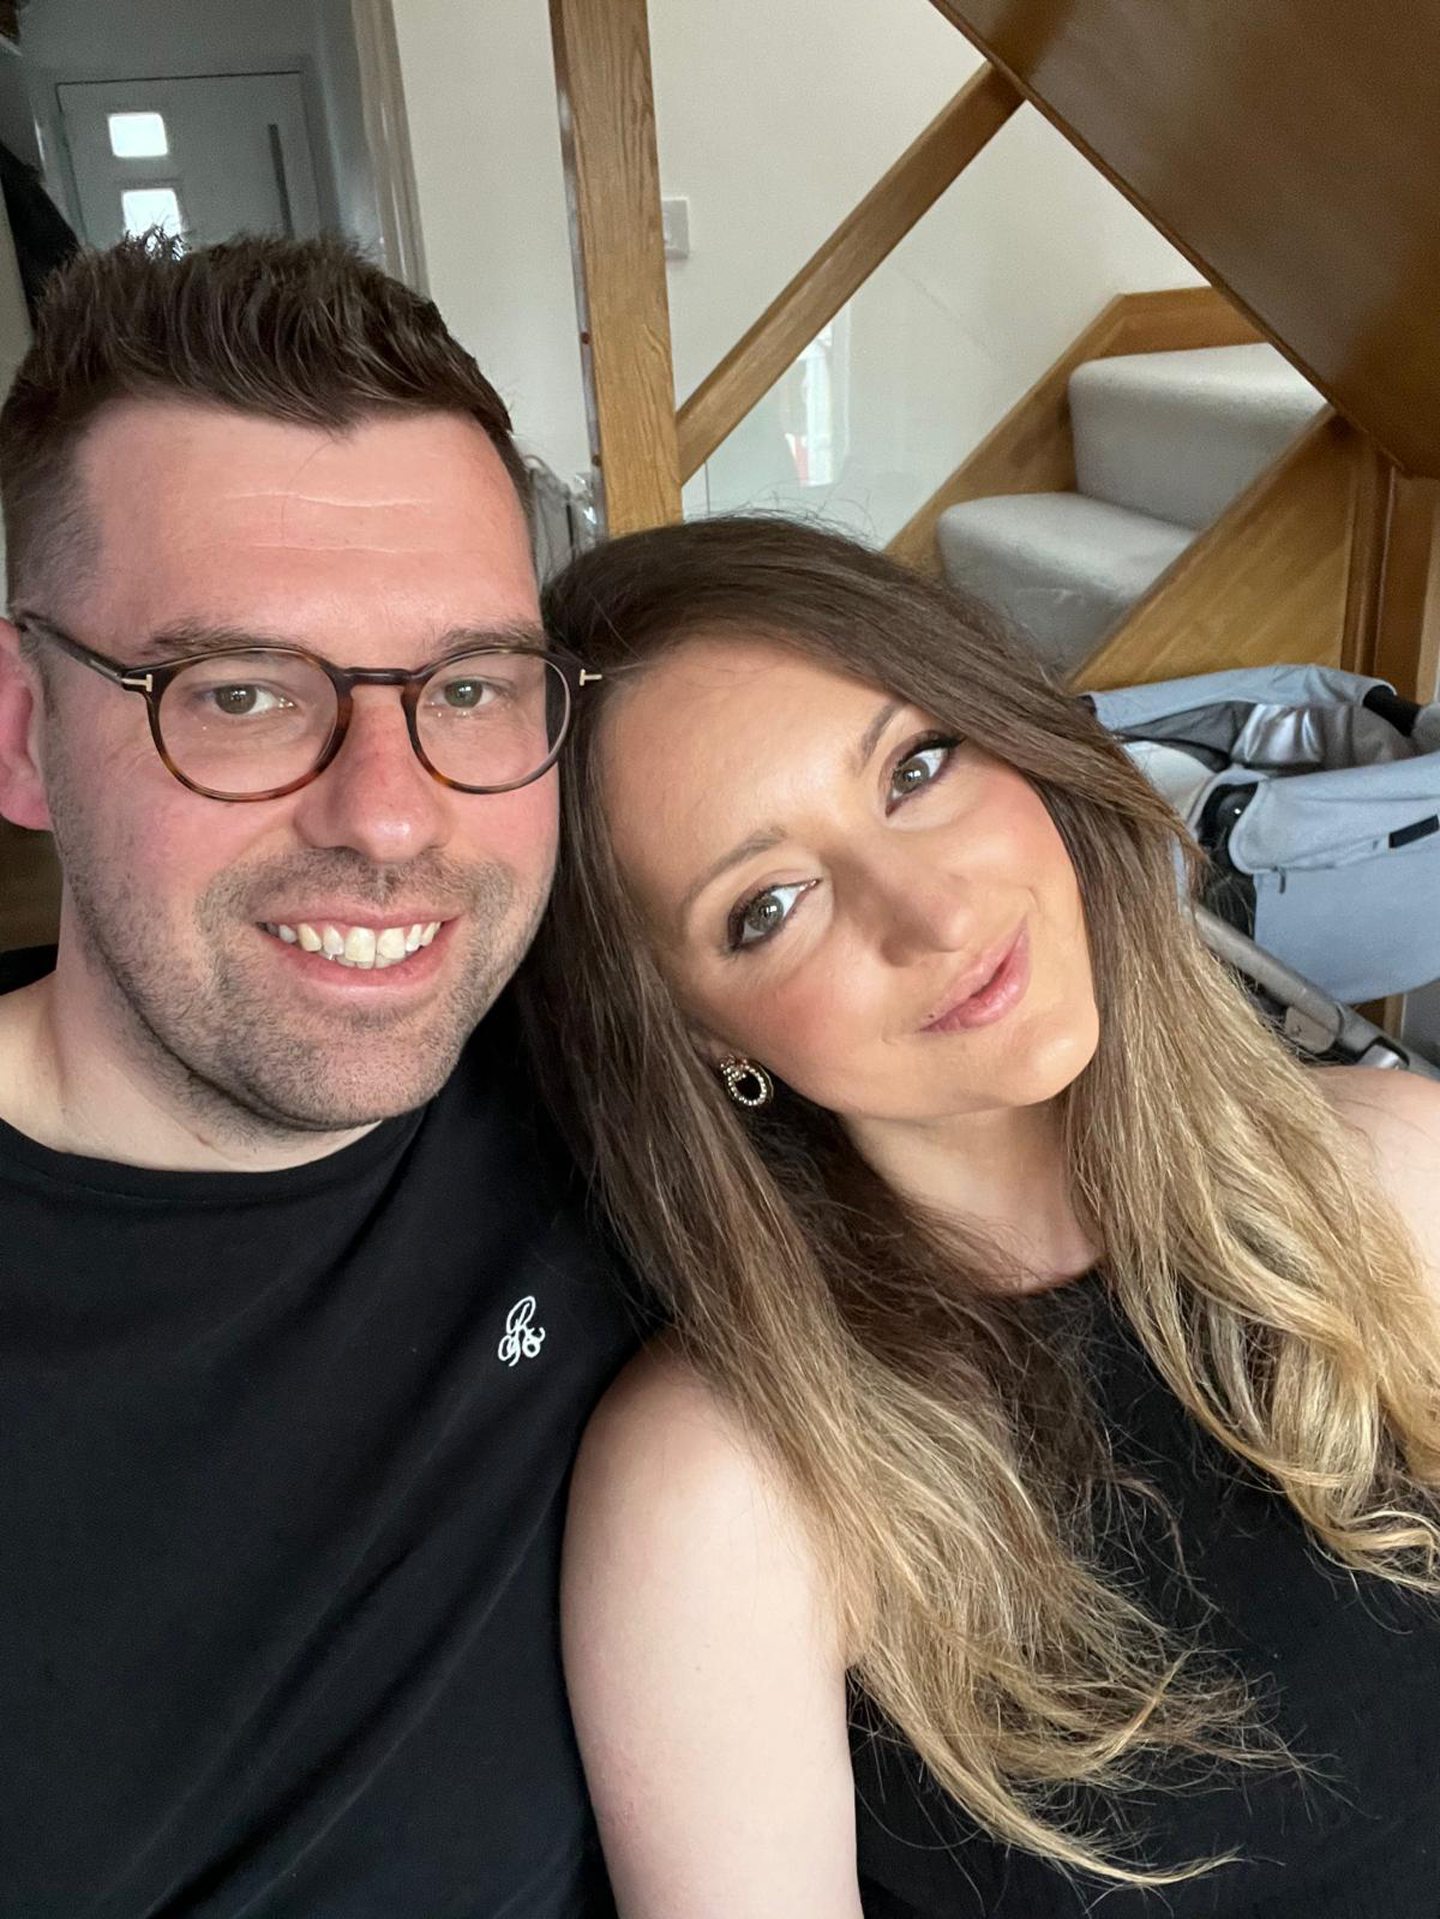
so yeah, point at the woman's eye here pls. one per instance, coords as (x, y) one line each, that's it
(763, 914)
(921, 766)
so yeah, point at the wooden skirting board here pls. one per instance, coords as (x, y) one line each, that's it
(1030, 451)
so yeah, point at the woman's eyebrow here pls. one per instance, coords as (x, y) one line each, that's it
(870, 738)
(760, 842)
(770, 836)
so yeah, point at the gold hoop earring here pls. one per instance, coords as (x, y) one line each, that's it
(746, 1083)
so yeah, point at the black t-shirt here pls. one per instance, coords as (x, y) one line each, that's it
(1345, 1669)
(282, 1469)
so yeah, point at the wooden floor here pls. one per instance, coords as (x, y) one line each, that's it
(29, 888)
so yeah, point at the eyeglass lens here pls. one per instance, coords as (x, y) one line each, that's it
(245, 723)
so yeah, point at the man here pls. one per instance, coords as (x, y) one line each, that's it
(300, 1331)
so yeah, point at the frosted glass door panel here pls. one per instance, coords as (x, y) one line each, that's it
(215, 155)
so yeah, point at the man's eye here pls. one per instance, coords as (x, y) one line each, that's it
(761, 916)
(921, 766)
(242, 702)
(463, 696)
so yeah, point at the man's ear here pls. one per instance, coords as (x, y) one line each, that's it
(22, 790)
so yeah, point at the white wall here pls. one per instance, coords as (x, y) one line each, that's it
(480, 98)
(127, 39)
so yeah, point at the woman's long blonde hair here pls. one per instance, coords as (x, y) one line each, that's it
(868, 1350)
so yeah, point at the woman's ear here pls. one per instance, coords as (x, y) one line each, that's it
(710, 1049)
(713, 1055)
(713, 1050)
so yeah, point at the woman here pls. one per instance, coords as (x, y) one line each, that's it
(1037, 1497)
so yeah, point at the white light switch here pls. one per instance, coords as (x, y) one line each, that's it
(675, 225)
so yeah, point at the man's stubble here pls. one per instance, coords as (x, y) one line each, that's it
(207, 1023)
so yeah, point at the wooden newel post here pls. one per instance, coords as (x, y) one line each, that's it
(607, 127)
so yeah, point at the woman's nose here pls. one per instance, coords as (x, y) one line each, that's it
(918, 905)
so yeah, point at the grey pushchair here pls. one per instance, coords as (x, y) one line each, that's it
(1316, 794)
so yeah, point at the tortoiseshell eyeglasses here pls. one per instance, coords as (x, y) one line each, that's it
(262, 721)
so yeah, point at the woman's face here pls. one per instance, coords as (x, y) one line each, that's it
(881, 914)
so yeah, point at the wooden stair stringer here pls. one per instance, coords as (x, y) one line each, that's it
(1267, 585)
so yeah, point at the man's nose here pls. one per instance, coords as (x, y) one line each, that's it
(375, 797)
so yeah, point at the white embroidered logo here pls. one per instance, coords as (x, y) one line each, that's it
(521, 1341)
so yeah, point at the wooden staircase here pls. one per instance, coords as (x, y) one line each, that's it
(1275, 580)
(1289, 148)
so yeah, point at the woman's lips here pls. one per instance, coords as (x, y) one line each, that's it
(1004, 989)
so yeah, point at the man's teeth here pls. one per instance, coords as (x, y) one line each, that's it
(358, 946)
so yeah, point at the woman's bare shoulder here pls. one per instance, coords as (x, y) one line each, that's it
(1399, 1114)
(666, 1465)
(661, 1414)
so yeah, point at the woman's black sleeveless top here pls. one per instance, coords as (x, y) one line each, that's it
(1346, 1670)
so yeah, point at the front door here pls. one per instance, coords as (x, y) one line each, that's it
(207, 157)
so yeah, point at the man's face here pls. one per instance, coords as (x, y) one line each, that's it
(382, 547)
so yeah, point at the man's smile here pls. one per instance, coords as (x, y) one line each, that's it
(367, 947)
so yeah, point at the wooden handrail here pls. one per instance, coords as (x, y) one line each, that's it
(843, 264)
(607, 125)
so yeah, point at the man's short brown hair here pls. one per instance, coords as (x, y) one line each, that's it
(308, 332)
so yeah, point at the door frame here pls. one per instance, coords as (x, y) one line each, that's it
(387, 134)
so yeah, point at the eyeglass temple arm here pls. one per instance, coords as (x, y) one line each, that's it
(132, 677)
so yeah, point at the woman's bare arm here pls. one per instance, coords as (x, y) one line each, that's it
(705, 1673)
